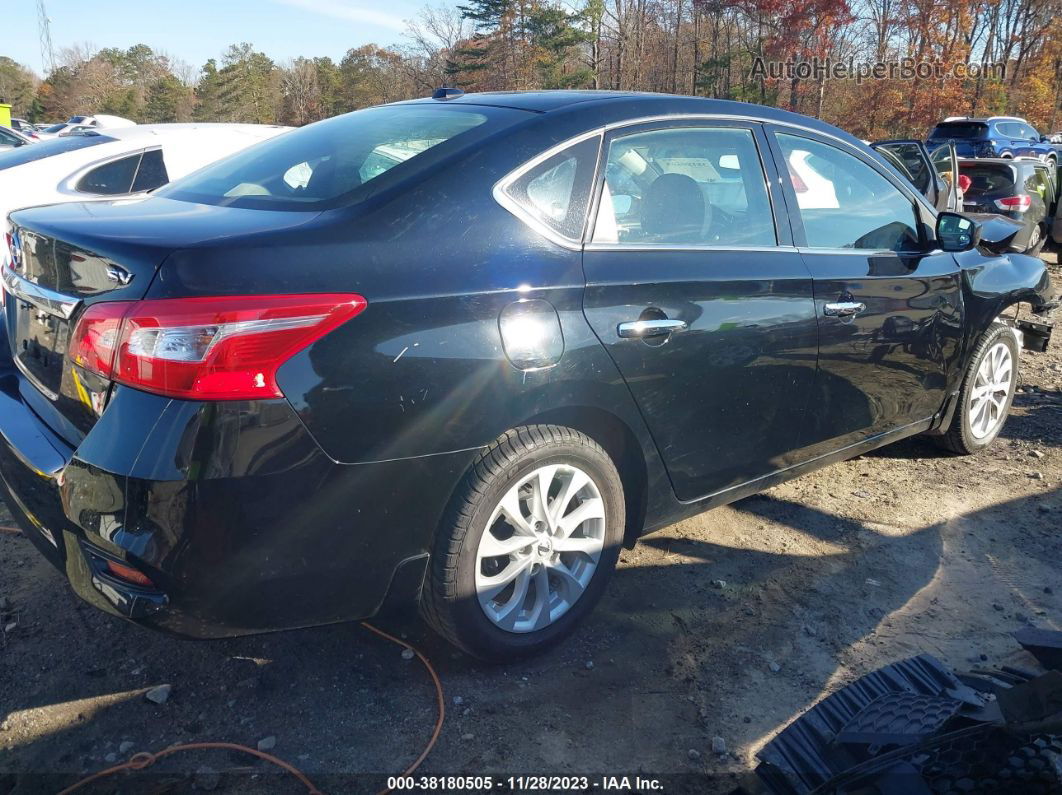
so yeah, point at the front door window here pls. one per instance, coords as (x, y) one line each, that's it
(844, 203)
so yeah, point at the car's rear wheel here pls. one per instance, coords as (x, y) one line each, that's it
(528, 544)
(986, 394)
(1036, 241)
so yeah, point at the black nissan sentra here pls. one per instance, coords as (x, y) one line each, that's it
(461, 350)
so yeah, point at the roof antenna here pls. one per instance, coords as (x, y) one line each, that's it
(447, 92)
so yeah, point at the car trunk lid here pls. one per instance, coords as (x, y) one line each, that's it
(69, 257)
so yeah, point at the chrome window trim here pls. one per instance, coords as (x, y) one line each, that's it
(501, 195)
(866, 252)
(660, 247)
(49, 301)
(572, 244)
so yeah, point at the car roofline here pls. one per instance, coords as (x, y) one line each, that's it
(650, 106)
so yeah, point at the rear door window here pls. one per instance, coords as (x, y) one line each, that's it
(685, 186)
(111, 179)
(1036, 184)
(1027, 132)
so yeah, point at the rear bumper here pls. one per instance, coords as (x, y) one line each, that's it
(235, 514)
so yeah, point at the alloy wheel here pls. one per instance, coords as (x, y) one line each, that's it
(1034, 238)
(991, 388)
(541, 548)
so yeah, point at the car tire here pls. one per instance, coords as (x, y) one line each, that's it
(1036, 241)
(546, 590)
(971, 431)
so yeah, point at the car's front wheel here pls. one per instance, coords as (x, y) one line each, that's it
(528, 543)
(986, 394)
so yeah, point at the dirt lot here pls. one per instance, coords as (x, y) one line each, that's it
(827, 577)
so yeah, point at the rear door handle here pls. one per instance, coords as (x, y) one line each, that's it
(650, 328)
(843, 309)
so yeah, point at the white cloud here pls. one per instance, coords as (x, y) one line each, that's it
(351, 12)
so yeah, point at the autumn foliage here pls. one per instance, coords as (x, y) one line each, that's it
(734, 49)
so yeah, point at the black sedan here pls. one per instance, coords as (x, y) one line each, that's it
(461, 350)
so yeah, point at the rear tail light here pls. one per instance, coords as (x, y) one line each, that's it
(1017, 203)
(798, 184)
(205, 348)
(964, 183)
(95, 338)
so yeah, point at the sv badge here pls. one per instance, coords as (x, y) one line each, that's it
(119, 275)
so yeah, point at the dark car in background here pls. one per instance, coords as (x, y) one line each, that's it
(1023, 189)
(459, 351)
(995, 136)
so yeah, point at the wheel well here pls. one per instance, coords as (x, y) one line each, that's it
(623, 448)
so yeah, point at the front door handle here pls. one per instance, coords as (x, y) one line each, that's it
(650, 328)
(843, 309)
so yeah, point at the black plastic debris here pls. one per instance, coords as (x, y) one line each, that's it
(1035, 701)
(1043, 644)
(915, 727)
(898, 719)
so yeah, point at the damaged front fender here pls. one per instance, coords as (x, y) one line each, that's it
(991, 284)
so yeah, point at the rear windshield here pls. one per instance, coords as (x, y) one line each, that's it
(343, 160)
(987, 177)
(959, 129)
(55, 146)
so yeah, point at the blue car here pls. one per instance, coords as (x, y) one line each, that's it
(995, 136)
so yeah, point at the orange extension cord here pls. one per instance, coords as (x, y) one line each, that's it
(144, 759)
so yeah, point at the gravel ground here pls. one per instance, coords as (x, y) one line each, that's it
(727, 625)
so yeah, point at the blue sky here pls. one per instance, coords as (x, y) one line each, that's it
(195, 30)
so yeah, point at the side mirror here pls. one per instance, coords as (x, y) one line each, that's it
(957, 232)
(1044, 139)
